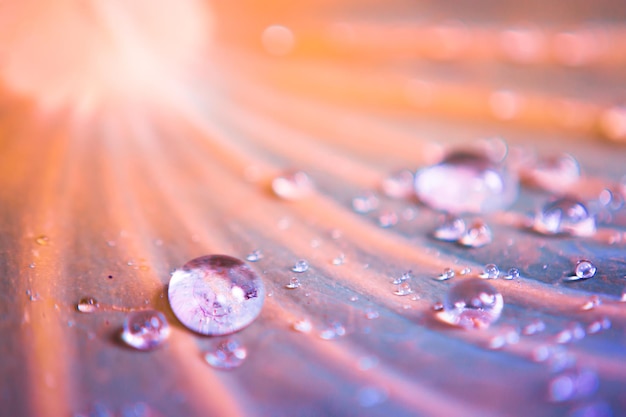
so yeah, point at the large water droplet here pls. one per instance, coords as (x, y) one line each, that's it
(466, 182)
(87, 305)
(478, 235)
(565, 216)
(216, 294)
(293, 186)
(145, 330)
(472, 303)
(228, 354)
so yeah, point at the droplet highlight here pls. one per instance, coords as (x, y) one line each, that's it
(216, 294)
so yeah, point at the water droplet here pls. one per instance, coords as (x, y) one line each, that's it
(293, 283)
(145, 329)
(42, 240)
(512, 273)
(87, 305)
(534, 327)
(300, 266)
(599, 325)
(565, 216)
(490, 271)
(466, 182)
(228, 354)
(365, 204)
(447, 274)
(278, 40)
(573, 331)
(254, 256)
(339, 260)
(478, 235)
(438, 306)
(216, 294)
(403, 289)
(465, 270)
(387, 218)
(371, 314)
(293, 186)
(592, 303)
(399, 184)
(572, 384)
(472, 303)
(584, 270)
(451, 229)
(404, 277)
(302, 326)
(354, 298)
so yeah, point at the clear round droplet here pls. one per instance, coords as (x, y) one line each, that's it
(293, 186)
(145, 329)
(365, 204)
(216, 294)
(451, 229)
(512, 273)
(293, 283)
(466, 182)
(447, 274)
(490, 271)
(254, 256)
(478, 235)
(584, 270)
(87, 305)
(300, 266)
(403, 289)
(228, 354)
(472, 304)
(565, 216)
(399, 184)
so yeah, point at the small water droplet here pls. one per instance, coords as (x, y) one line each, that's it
(406, 276)
(447, 274)
(328, 334)
(438, 306)
(145, 329)
(293, 283)
(572, 384)
(371, 314)
(592, 303)
(302, 326)
(512, 273)
(478, 235)
(571, 332)
(87, 305)
(584, 270)
(387, 218)
(354, 298)
(465, 270)
(254, 256)
(403, 289)
(365, 204)
(339, 260)
(472, 303)
(300, 266)
(490, 271)
(42, 240)
(565, 216)
(399, 184)
(293, 186)
(599, 325)
(534, 327)
(216, 294)
(228, 354)
(466, 182)
(451, 229)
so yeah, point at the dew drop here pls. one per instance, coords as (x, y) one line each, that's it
(472, 303)
(565, 216)
(399, 184)
(451, 229)
(302, 326)
(254, 256)
(216, 294)
(512, 273)
(365, 204)
(403, 289)
(466, 182)
(293, 283)
(293, 186)
(145, 329)
(490, 271)
(42, 240)
(228, 354)
(387, 218)
(404, 277)
(87, 305)
(447, 274)
(592, 303)
(584, 270)
(478, 235)
(300, 266)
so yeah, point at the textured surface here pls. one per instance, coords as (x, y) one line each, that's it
(105, 191)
